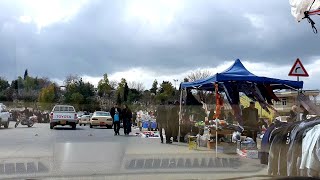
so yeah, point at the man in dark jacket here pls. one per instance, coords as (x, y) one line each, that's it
(251, 118)
(127, 119)
(115, 112)
(174, 120)
(161, 119)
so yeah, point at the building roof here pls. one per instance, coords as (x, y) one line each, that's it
(289, 93)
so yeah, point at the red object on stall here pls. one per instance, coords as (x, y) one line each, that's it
(219, 102)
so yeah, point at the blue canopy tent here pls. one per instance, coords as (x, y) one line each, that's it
(236, 73)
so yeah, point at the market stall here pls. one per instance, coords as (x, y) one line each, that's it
(233, 81)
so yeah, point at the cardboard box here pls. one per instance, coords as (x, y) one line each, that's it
(252, 154)
(227, 148)
(245, 146)
(211, 145)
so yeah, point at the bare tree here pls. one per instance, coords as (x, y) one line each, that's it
(136, 85)
(198, 74)
(72, 78)
(204, 96)
(113, 84)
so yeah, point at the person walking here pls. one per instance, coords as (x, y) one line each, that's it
(127, 119)
(174, 120)
(169, 123)
(293, 114)
(161, 119)
(115, 114)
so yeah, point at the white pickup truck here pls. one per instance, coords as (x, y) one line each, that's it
(63, 115)
(4, 116)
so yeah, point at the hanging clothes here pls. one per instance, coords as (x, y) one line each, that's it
(232, 92)
(271, 93)
(295, 147)
(237, 113)
(264, 93)
(257, 94)
(245, 88)
(265, 142)
(310, 157)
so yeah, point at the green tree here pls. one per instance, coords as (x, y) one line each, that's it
(154, 87)
(47, 96)
(125, 92)
(4, 84)
(79, 93)
(122, 90)
(134, 96)
(119, 101)
(104, 87)
(29, 84)
(166, 92)
(26, 74)
(77, 99)
(5, 91)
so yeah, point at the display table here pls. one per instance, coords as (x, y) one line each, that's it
(221, 132)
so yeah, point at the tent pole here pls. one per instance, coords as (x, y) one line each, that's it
(216, 90)
(180, 116)
(298, 103)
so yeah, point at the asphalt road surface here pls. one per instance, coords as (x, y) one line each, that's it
(41, 152)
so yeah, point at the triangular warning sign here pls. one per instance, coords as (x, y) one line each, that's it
(298, 69)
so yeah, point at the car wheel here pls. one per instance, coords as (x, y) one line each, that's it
(6, 125)
(84, 124)
(51, 126)
(80, 124)
(91, 126)
(74, 126)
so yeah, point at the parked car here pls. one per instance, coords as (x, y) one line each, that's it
(63, 115)
(4, 116)
(101, 118)
(84, 120)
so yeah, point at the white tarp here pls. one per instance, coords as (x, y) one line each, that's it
(298, 7)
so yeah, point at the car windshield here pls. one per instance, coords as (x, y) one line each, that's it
(159, 89)
(102, 114)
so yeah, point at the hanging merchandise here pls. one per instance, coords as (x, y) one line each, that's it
(246, 89)
(291, 148)
(264, 93)
(271, 93)
(232, 92)
(219, 103)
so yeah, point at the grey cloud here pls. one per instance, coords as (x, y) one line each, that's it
(97, 40)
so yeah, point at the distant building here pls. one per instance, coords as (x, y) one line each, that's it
(289, 98)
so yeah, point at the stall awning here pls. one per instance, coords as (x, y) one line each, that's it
(238, 73)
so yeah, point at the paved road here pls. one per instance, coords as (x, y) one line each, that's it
(39, 151)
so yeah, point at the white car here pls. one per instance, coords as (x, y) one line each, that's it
(84, 120)
(4, 116)
(63, 115)
(101, 118)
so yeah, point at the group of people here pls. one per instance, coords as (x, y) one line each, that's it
(123, 115)
(42, 117)
(167, 117)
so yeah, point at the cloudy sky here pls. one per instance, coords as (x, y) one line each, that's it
(143, 40)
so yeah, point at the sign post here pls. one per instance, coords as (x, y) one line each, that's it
(298, 70)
